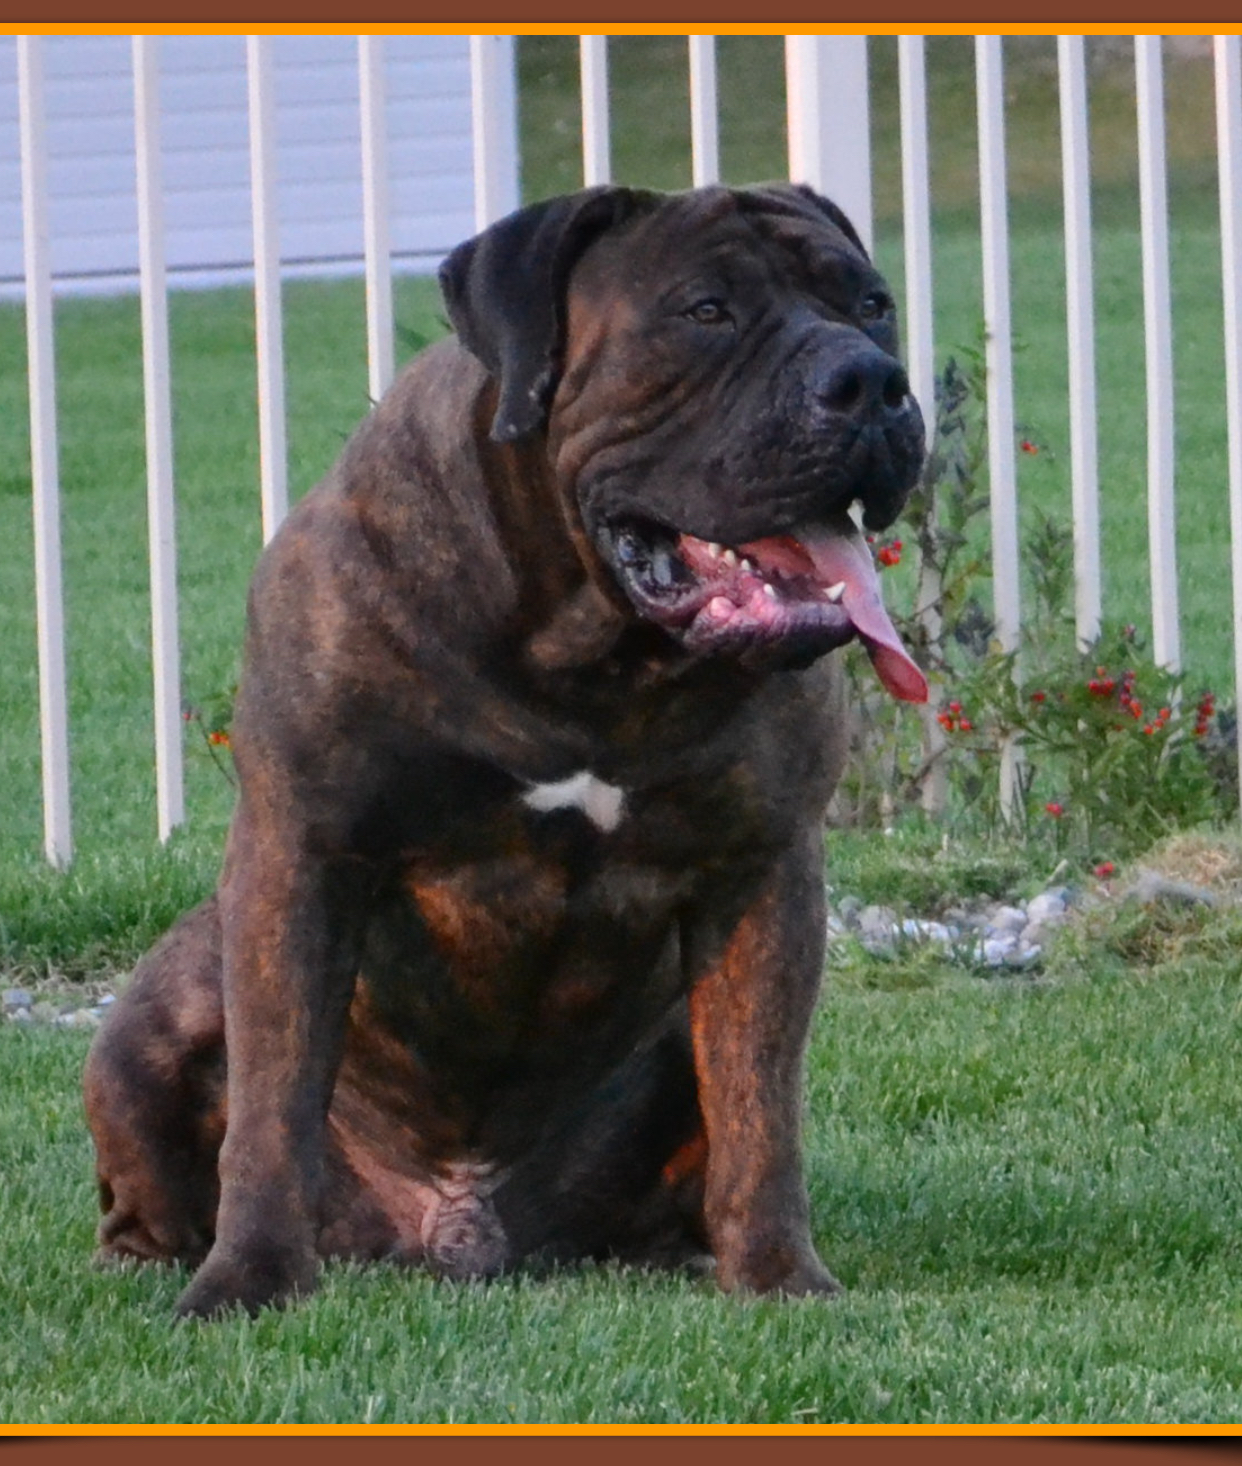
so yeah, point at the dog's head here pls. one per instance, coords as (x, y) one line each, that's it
(716, 373)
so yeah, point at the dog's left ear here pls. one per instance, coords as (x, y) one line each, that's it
(505, 293)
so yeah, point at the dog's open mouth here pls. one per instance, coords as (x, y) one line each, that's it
(797, 594)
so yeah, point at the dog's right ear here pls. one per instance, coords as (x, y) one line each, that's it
(505, 293)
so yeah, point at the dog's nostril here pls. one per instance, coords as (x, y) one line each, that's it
(844, 392)
(897, 388)
(865, 383)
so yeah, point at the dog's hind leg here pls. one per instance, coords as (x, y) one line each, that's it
(154, 1089)
(624, 1179)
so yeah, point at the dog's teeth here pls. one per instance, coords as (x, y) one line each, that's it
(769, 590)
(748, 566)
(714, 551)
(835, 592)
(729, 558)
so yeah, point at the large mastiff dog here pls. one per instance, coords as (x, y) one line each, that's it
(521, 918)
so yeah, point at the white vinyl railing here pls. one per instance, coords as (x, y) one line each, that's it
(704, 114)
(381, 352)
(828, 136)
(269, 336)
(1080, 321)
(44, 470)
(596, 132)
(157, 396)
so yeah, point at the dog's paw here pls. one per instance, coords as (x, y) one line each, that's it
(809, 1280)
(784, 1273)
(251, 1280)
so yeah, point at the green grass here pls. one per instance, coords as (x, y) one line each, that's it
(1030, 1189)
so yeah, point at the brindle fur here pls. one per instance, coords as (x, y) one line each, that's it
(419, 1020)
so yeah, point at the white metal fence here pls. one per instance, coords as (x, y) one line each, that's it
(828, 148)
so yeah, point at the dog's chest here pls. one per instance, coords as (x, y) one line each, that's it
(601, 804)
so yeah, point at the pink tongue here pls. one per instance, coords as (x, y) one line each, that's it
(840, 554)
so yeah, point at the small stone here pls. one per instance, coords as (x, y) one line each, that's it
(106, 1001)
(927, 931)
(1048, 908)
(19, 1015)
(14, 1000)
(1006, 919)
(994, 951)
(849, 909)
(877, 927)
(79, 1018)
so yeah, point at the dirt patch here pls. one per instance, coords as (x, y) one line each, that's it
(1213, 861)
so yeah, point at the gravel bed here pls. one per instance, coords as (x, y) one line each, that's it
(990, 934)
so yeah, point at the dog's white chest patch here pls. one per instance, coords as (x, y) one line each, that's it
(603, 804)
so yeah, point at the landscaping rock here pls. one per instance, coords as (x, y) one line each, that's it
(1049, 907)
(79, 1018)
(1006, 919)
(995, 951)
(849, 909)
(16, 1000)
(877, 928)
(927, 931)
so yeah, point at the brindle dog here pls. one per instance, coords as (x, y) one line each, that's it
(521, 919)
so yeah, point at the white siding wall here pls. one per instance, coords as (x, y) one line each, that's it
(92, 212)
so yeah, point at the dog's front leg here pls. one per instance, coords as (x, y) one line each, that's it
(750, 1010)
(290, 955)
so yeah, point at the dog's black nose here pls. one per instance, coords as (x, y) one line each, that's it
(863, 381)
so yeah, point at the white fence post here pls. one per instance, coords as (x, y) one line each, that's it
(493, 93)
(161, 507)
(994, 218)
(829, 121)
(920, 360)
(1002, 472)
(1229, 147)
(596, 132)
(1158, 341)
(372, 97)
(44, 464)
(1080, 320)
(704, 114)
(273, 450)
(916, 224)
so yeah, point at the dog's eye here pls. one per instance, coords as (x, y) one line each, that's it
(709, 312)
(875, 307)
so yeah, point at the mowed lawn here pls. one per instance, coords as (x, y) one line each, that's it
(1030, 1187)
